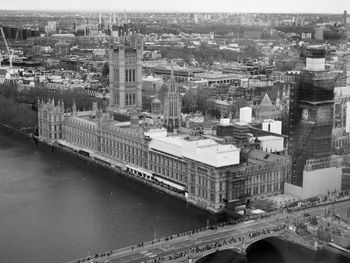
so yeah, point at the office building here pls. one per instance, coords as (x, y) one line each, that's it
(263, 174)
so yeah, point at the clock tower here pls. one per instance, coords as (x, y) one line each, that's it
(305, 114)
(311, 113)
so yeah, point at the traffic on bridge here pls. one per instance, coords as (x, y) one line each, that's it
(235, 234)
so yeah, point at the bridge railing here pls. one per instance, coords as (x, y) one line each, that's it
(318, 201)
(238, 242)
(152, 243)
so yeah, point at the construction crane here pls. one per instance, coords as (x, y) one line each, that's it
(7, 47)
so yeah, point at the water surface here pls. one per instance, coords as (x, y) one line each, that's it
(54, 208)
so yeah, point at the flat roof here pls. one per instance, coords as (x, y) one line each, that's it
(206, 151)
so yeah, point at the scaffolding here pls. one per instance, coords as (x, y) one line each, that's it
(316, 164)
(310, 137)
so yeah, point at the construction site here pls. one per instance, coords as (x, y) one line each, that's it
(311, 113)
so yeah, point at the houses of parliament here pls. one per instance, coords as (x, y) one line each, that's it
(205, 171)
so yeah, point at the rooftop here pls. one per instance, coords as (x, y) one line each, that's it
(266, 157)
(316, 47)
(205, 151)
(342, 91)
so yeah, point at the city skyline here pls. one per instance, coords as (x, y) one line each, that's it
(184, 131)
(253, 6)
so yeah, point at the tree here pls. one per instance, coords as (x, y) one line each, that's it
(105, 70)
(17, 115)
(189, 102)
(203, 95)
(162, 93)
(9, 90)
(214, 113)
(5, 114)
(146, 103)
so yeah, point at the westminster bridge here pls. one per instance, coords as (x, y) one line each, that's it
(193, 245)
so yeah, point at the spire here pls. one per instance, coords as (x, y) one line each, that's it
(74, 108)
(278, 100)
(172, 68)
(125, 21)
(114, 18)
(172, 108)
(134, 120)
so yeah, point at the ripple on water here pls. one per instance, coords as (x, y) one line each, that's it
(55, 208)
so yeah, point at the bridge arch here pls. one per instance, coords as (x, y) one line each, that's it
(224, 255)
(253, 240)
(267, 249)
(238, 251)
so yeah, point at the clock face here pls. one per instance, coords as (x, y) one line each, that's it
(305, 114)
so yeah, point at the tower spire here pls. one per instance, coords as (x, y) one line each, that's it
(74, 108)
(172, 69)
(172, 108)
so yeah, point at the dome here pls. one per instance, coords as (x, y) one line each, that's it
(134, 119)
(61, 43)
(156, 101)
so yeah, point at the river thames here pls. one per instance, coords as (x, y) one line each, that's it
(55, 209)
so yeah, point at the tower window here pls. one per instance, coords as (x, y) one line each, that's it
(116, 77)
(126, 75)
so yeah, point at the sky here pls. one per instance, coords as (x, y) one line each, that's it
(231, 6)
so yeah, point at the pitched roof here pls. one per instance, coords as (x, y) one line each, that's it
(266, 157)
(266, 101)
